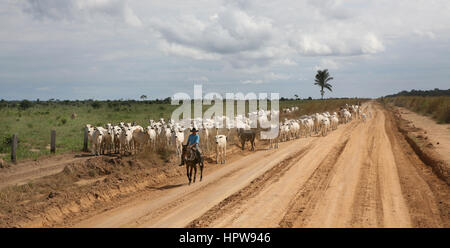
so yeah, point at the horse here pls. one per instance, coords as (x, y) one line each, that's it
(191, 160)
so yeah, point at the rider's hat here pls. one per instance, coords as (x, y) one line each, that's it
(194, 130)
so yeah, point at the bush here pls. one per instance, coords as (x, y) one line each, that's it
(443, 115)
(25, 104)
(96, 105)
(437, 107)
(7, 140)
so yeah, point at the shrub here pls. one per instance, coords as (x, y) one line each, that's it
(437, 107)
(25, 104)
(96, 105)
(7, 140)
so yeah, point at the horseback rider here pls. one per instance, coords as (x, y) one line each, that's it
(192, 142)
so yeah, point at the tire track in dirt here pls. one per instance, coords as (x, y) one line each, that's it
(180, 200)
(306, 199)
(342, 194)
(368, 196)
(255, 186)
(427, 197)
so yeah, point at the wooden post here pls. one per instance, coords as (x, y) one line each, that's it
(85, 144)
(53, 141)
(14, 149)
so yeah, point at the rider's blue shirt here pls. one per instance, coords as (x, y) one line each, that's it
(193, 138)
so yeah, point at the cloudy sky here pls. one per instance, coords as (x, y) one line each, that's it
(113, 49)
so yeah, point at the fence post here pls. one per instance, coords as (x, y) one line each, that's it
(85, 144)
(53, 142)
(14, 149)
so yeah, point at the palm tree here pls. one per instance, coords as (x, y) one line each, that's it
(143, 97)
(322, 79)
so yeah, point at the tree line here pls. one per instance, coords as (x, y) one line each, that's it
(435, 92)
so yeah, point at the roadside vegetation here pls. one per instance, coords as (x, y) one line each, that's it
(437, 107)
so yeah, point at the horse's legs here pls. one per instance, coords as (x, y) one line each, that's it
(201, 171)
(195, 172)
(190, 175)
(187, 173)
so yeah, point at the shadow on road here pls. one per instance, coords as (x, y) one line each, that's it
(166, 187)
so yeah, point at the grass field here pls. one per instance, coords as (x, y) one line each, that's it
(33, 121)
(437, 107)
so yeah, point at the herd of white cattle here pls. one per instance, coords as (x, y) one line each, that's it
(130, 137)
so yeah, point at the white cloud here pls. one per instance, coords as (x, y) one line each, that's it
(372, 44)
(201, 79)
(258, 81)
(327, 64)
(81, 9)
(230, 33)
(271, 76)
(267, 78)
(243, 37)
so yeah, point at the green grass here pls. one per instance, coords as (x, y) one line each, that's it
(437, 107)
(34, 123)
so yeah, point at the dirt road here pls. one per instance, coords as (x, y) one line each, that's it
(361, 175)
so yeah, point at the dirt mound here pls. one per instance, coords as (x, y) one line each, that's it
(418, 140)
(81, 186)
(99, 166)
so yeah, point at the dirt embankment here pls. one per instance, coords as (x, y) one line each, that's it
(81, 186)
(424, 142)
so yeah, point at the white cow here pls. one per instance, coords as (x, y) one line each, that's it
(116, 132)
(167, 134)
(152, 135)
(334, 122)
(325, 126)
(294, 129)
(97, 139)
(221, 148)
(108, 139)
(273, 139)
(363, 117)
(178, 136)
(90, 131)
(284, 132)
(126, 138)
(318, 118)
